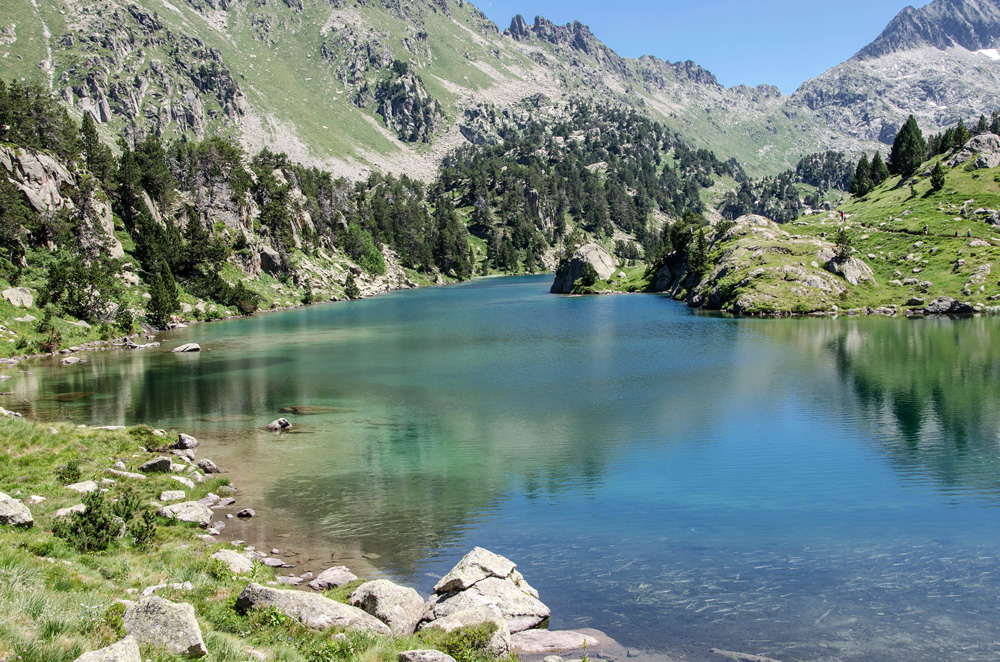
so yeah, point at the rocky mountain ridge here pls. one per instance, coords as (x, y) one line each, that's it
(304, 77)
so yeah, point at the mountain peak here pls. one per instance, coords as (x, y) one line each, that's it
(970, 24)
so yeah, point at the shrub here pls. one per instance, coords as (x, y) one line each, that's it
(69, 472)
(468, 644)
(103, 522)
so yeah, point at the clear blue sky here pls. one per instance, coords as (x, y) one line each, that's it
(778, 42)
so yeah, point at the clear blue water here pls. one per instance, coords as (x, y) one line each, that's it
(804, 489)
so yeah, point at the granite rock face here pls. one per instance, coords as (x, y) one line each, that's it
(572, 269)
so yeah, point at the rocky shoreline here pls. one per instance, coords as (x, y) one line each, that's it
(483, 589)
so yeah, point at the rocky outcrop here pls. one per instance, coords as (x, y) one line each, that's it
(984, 148)
(518, 29)
(483, 578)
(126, 650)
(398, 607)
(407, 107)
(572, 269)
(40, 177)
(948, 306)
(14, 513)
(969, 24)
(162, 623)
(853, 270)
(312, 610)
(19, 297)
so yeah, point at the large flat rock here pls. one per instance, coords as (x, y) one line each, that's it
(311, 609)
(541, 642)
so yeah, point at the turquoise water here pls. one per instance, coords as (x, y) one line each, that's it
(803, 489)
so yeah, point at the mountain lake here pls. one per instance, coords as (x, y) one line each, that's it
(805, 489)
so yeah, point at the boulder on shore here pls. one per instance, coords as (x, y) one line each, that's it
(484, 578)
(424, 656)
(332, 578)
(499, 644)
(312, 610)
(399, 607)
(188, 511)
(14, 513)
(238, 563)
(948, 306)
(166, 624)
(572, 269)
(185, 442)
(159, 465)
(543, 642)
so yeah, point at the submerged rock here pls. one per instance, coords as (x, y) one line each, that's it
(279, 424)
(187, 347)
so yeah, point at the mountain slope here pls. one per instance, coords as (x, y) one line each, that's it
(356, 86)
(938, 63)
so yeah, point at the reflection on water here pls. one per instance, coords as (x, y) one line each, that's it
(804, 489)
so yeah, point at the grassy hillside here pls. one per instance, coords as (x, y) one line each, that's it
(919, 245)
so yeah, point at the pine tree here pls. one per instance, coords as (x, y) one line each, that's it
(163, 297)
(937, 177)
(995, 123)
(909, 149)
(862, 183)
(879, 171)
(351, 290)
(983, 126)
(961, 135)
(947, 141)
(698, 257)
